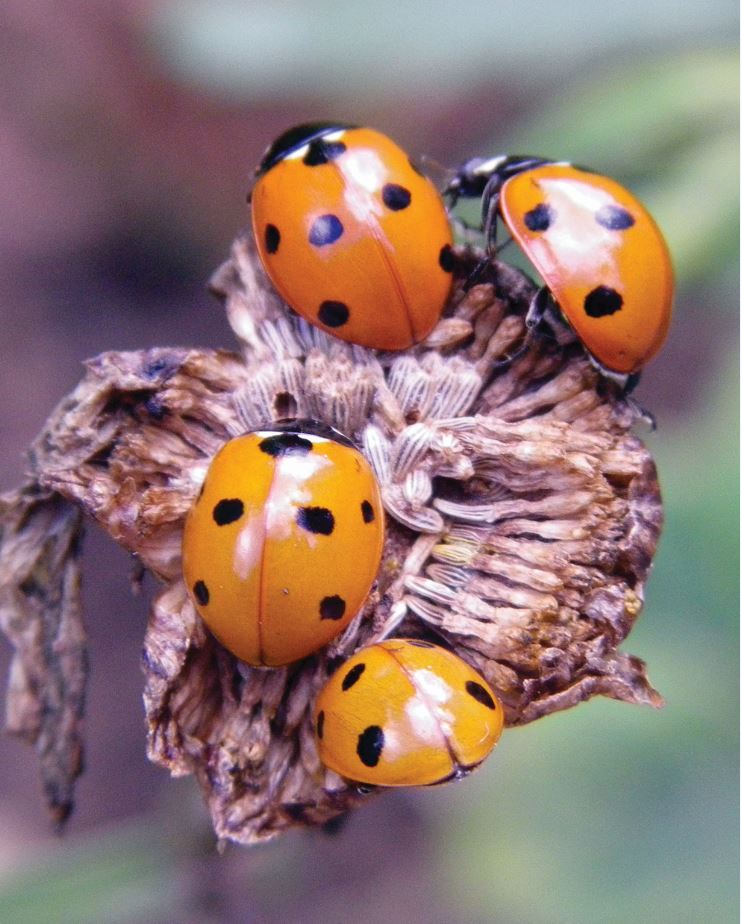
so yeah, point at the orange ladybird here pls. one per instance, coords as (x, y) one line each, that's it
(600, 253)
(352, 235)
(405, 712)
(284, 542)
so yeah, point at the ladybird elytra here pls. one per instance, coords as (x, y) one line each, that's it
(598, 250)
(283, 544)
(353, 237)
(406, 713)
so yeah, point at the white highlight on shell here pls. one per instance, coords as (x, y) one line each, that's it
(426, 709)
(595, 255)
(422, 720)
(392, 745)
(248, 547)
(290, 491)
(366, 174)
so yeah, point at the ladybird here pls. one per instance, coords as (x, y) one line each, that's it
(405, 712)
(282, 546)
(601, 255)
(353, 237)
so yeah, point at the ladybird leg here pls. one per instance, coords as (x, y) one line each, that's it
(538, 316)
(623, 381)
(452, 193)
(540, 305)
(507, 242)
(631, 382)
(477, 274)
(489, 214)
(491, 228)
(508, 360)
(626, 384)
(542, 319)
(644, 415)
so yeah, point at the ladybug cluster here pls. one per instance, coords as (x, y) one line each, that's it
(283, 545)
(280, 551)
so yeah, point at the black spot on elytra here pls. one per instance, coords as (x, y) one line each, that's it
(227, 511)
(322, 152)
(332, 607)
(285, 444)
(333, 314)
(200, 592)
(481, 694)
(326, 229)
(352, 676)
(446, 259)
(316, 520)
(369, 514)
(419, 643)
(602, 301)
(614, 217)
(370, 745)
(539, 218)
(395, 197)
(320, 725)
(272, 239)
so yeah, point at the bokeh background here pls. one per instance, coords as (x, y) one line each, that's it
(128, 130)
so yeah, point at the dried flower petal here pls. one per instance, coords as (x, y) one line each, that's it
(40, 614)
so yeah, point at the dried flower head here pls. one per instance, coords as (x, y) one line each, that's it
(523, 518)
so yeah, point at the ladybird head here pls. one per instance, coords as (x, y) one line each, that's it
(483, 176)
(311, 426)
(469, 180)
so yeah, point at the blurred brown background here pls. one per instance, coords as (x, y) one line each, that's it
(128, 131)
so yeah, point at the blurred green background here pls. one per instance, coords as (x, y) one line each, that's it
(129, 131)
